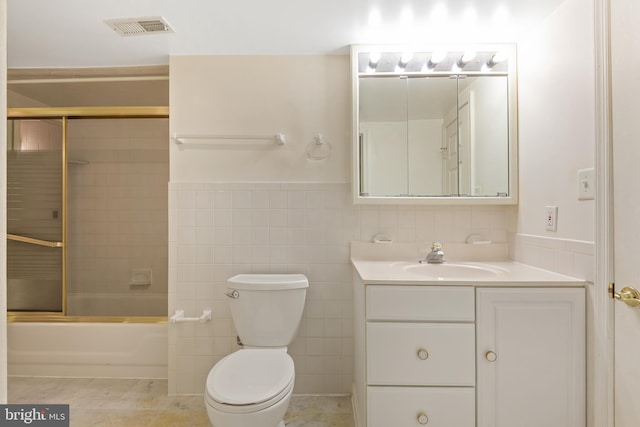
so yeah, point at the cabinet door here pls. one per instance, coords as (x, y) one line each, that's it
(531, 357)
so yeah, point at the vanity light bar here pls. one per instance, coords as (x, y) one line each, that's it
(432, 62)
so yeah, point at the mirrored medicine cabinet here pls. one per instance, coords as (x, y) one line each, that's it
(434, 125)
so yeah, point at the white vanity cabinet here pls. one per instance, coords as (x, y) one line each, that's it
(469, 355)
(530, 357)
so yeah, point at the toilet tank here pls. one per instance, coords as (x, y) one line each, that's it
(267, 308)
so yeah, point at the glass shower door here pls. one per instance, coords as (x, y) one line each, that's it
(35, 222)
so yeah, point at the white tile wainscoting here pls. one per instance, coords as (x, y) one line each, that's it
(217, 230)
(565, 256)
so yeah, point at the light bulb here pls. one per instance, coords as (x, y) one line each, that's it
(467, 56)
(404, 59)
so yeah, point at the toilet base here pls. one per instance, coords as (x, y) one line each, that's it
(268, 417)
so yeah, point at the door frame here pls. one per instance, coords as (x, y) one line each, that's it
(3, 197)
(602, 366)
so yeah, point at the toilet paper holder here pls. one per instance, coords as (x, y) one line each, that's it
(178, 317)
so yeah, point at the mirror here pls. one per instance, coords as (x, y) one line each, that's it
(430, 130)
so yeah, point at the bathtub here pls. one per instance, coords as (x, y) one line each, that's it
(92, 350)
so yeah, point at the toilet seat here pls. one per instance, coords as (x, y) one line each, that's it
(249, 380)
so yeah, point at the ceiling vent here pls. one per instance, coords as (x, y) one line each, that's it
(139, 26)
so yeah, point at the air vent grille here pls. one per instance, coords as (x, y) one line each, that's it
(139, 26)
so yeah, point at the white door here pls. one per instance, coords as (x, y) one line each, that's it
(625, 42)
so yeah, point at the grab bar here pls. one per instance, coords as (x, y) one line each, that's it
(33, 241)
(178, 317)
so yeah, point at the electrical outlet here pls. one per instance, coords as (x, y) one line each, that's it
(551, 218)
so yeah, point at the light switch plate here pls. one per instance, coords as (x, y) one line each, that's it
(586, 184)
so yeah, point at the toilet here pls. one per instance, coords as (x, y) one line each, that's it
(253, 386)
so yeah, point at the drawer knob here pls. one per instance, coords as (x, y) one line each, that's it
(422, 418)
(491, 356)
(423, 354)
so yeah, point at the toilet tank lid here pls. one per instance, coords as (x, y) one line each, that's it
(268, 282)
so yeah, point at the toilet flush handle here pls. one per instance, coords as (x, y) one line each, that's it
(233, 294)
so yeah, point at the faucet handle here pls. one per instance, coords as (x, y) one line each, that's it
(436, 245)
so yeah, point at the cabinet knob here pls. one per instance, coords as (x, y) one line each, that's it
(422, 418)
(423, 354)
(491, 356)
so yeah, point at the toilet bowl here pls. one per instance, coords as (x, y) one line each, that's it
(253, 386)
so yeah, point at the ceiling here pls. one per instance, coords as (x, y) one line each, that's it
(72, 33)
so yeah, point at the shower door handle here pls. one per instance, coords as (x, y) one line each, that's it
(33, 241)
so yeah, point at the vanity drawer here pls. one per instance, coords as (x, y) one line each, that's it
(420, 354)
(403, 406)
(420, 303)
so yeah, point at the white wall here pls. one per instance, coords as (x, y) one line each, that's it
(261, 95)
(3, 210)
(557, 137)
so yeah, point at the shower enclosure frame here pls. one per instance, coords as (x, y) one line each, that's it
(65, 114)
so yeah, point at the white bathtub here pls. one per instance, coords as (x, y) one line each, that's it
(94, 350)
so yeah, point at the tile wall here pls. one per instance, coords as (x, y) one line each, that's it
(218, 230)
(574, 258)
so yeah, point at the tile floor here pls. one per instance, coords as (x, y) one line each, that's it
(96, 402)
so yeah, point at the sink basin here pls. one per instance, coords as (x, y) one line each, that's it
(453, 271)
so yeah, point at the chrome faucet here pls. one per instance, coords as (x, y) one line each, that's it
(435, 256)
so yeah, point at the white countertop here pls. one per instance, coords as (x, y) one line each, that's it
(504, 273)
